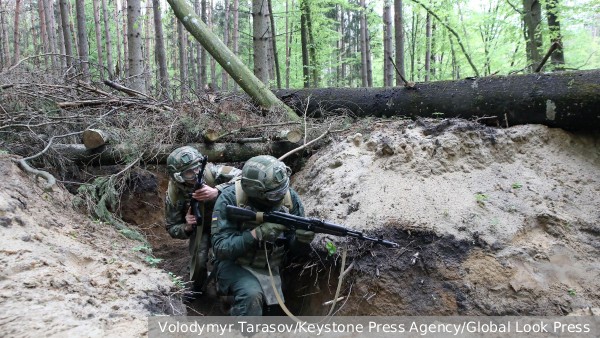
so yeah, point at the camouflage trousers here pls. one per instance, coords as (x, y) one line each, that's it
(240, 283)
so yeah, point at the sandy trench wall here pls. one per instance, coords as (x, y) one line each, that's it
(502, 221)
(64, 275)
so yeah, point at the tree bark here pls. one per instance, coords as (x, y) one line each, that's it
(51, 30)
(226, 41)
(428, 47)
(229, 61)
(274, 42)
(363, 44)
(236, 33)
(181, 44)
(304, 43)
(566, 100)
(4, 56)
(16, 35)
(134, 45)
(260, 36)
(399, 37)
(98, 31)
(532, 18)
(216, 152)
(388, 70)
(83, 40)
(161, 57)
(109, 57)
(558, 57)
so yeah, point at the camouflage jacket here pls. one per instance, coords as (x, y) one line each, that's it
(233, 241)
(177, 198)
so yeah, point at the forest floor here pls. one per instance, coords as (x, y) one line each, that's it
(489, 221)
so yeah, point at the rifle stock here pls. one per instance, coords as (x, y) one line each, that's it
(296, 222)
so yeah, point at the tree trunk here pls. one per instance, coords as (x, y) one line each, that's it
(147, 47)
(119, 65)
(134, 45)
(399, 37)
(51, 30)
(4, 52)
(161, 57)
(558, 57)
(16, 35)
(288, 42)
(532, 18)
(213, 64)
(226, 42)
(216, 152)
(126, 57)
(83, 40)
(98, 31)
(363, 44)
(312, 50)
(427, 47)
(203, 53)
(236, 33)
(109, 57)
(388, 70)
(369, 59)
(181, 44)
(274, 41)
(304, 43)
(566, 100)
(43, 30)
(260, 33)
(229, 61)
(59, 37)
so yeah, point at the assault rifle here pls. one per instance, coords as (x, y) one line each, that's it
(296, 222)
(195, 204)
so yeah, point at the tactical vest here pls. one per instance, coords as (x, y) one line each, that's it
(256, 258)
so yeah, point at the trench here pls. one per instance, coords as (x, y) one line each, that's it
(422, 276)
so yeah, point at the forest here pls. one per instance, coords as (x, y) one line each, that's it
(300, 43)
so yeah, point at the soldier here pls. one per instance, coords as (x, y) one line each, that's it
(241, 266)
(183, 165)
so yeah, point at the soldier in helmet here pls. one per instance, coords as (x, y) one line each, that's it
(241, 265)
(183, 165)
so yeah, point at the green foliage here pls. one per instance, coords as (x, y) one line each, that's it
(177, 280)
(152, 261)
(331, 248)
(572, 292)
(100, 198)
(517, 185)
(481, 198)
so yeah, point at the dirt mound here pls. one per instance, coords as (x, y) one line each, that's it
(66, 275)
(490, 221)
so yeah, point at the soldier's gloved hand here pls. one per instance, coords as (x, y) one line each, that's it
(269, 232)
(304, 236)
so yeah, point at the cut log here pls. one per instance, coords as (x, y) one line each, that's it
(216, 152)
(567, 100)
(293, 136)
(94, 138)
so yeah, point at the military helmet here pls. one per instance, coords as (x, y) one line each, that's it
(266, 178)
(182, 163)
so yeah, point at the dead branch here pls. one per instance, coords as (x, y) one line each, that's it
(304, 145)
(50, 180)
(126, 90)
(555, 45)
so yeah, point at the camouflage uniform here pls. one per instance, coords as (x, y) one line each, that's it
(177, 204)
(241, 268)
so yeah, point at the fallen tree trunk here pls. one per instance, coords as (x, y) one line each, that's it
(216, 152)
(568, 100)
